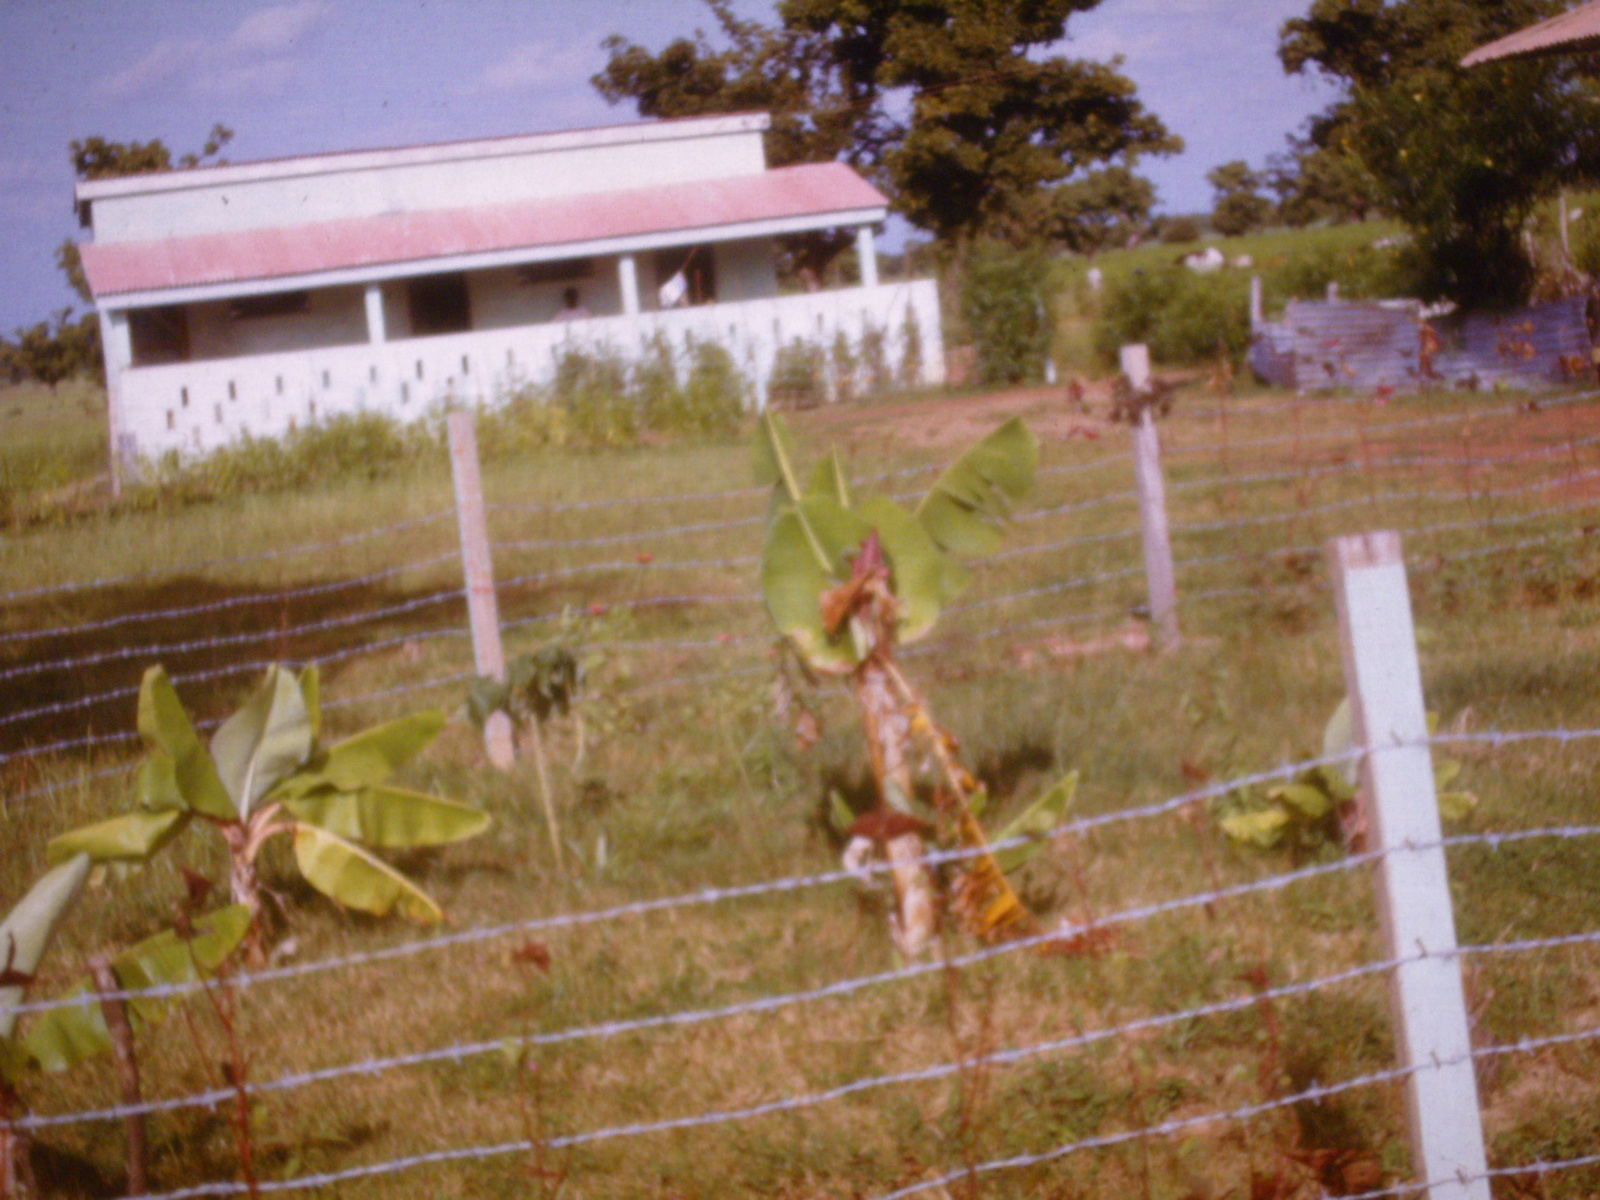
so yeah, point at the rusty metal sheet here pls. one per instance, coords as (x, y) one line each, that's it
(1388, 346)
(805, 191)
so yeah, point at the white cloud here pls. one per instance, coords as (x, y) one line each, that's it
(535, 65)
(256, 57)
(276, 30)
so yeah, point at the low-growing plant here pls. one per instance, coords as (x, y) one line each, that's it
(266, 773)
(1322, 808)
(847, 581)
(592, 390)
(910, 351)
(713, 394)
(797, 376)
(537, 687)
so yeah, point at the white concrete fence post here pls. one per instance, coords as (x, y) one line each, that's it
(482, 611)
(1427, 999)
(1152, 506)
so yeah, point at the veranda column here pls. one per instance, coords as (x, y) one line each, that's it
(376, 333)
(628, 279)
(867, 252)
(118, 349)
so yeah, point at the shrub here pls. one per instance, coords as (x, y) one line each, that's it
(910, 351)
(1006, 302)
(592, 390)
(1183, 317)
(713, 395)
(1177, 230)
(796, 380)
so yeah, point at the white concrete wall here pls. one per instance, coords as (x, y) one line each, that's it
(197, 406)
(226, 200)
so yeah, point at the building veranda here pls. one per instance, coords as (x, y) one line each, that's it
(254, 298)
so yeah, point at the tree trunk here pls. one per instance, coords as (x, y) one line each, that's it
(888, 729)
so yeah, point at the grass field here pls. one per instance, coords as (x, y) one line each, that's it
(688, 781)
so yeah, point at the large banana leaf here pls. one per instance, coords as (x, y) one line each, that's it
(804, 556)
(132, 837)
(774, 459)
(390, 818)
(1035, 823)
(64, 1037)
(924, 577)
(164, 724)
(970, 503)
(25, 933)
(377, 753)
(343, 871)
(265, 742)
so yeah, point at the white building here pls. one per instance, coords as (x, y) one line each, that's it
(255, 297)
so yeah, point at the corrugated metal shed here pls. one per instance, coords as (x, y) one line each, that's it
(1565, 33)
(785, 193)
(1368, 346)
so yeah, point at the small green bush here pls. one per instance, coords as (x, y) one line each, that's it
(797, 380)
(713, 395)
(1182, 316)
(910, 351)
(1006, 301)
(592, 390)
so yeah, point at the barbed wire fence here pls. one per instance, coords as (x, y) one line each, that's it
(1100, 564)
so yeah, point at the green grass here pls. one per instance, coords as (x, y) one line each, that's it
(688, 781)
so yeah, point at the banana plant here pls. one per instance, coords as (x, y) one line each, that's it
(64, 1036)
(1323, 806)
(25, 935)
(266, 773)
(846, 581)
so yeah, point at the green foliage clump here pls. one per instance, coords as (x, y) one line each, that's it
(1184, 317)
(910, 352)
(1362, 270)
(1006, 300)
(363, 446)
(797, 376)
(591, 389)
(713, 394)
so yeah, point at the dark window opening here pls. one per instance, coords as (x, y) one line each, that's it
(566, 270)
(698, 276)
(439, 304)
(158, 335)
(276, 304)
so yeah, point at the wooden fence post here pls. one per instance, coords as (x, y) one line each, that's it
(1152, 505)
(482, 612)
(1426, 996)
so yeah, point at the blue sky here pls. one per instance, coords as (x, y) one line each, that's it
(307, 76)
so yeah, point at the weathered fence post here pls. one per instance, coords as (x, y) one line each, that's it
(482, 612)
(1152, 505)
(1427, 999)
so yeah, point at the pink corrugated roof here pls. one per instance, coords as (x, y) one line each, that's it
(1569, 32)
(811, 190)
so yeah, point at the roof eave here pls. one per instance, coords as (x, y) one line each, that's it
(384, 272)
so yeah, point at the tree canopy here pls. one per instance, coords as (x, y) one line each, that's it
(1460, 156)
(1240, 207)
(949, 105)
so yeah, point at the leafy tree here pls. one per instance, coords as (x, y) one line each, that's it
(53, 350)
(1461, 156)
(1320, 178)
(96, 158)
(1239, 207)
(991, 119)
(1100, 210)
